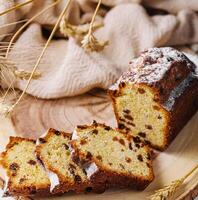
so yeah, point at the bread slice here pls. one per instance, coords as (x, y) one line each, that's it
(112, 158)
(54, 152)
(25, 174)
(157, 96)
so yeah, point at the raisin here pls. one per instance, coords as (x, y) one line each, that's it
(128, 159)
(159, 117)
(142, 134)
(121, 126)
(122, 84)
(136, 139)
(141, 91)
(121, 141)
(107, 128)
(148, 156)
(126, 111)
(95, 131)
(140, 158)
(129, 117)
(115, 138)
(42, 140)
(57, 132)
(14, 167)
(32, 162)
(130, 146)
(149, 127)
(137, 145)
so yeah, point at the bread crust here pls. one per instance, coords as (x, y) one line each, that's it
(178, 115)
(105, 177)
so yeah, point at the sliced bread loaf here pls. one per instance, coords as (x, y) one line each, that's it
(53, 150)
(112, 158)
(25, 174)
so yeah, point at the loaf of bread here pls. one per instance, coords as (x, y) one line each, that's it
(54, 152)
(25, 175)
(157, 96)
(112, 158)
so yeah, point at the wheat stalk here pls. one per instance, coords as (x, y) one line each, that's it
(40, 57)
(16, 7)
(90, 42)
(77, 32)
(169, 190)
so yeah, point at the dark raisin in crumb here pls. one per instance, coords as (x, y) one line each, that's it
(32, 162)
(42, 140)
(136, 139)
(147, 142)
(140, 158)
(128, 159)
(95, 131)
(107, 128)
(84, 171)
(81, 126)
(22, 180)
(82, 142)
(137, 145)
(142, 134)
(57, 132)
(77, 178)
(149, 127)
(110, 164)
(122, 120)
(115, 138)
(148, 156)
(130, 123)
(121, 126)
(14, 166)
(89, 155)
(122, 142)
(66, 146)
(99, 157)
(126, 111)
(129, 117)
(159, 117)
(122, 150)
(130, 146)
(141, 91)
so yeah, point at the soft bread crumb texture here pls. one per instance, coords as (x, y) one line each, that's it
(23, 169)
(140, 114)
(114, 152)
(56, 155)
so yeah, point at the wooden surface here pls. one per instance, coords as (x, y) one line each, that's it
(34, 116)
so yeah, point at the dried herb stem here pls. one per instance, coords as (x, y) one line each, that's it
(16, 7)
(42, 53)
(168, 191)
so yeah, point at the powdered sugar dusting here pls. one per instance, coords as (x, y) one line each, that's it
(152, 65)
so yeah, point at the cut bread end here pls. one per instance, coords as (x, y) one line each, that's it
(26, 175)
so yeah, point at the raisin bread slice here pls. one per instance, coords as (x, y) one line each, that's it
(112, 158)
(25, 174)
(157, 96)
(54, 152)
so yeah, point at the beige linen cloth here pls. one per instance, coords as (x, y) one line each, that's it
(67, 69)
